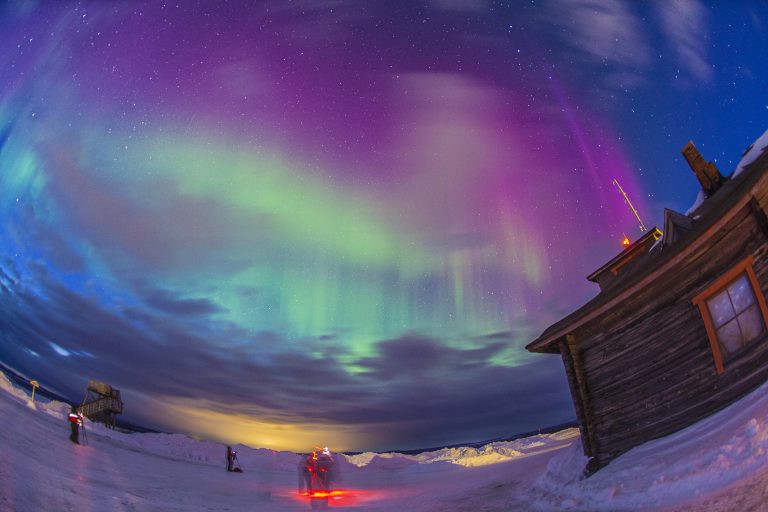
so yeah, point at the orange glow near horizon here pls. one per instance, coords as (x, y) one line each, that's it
(194, 418)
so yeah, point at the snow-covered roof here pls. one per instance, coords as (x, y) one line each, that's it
(752, 153)
(695, 206)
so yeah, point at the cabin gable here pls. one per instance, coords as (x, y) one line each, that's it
(676, 226)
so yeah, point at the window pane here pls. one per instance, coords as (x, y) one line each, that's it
(751, 323)
(741, 292)
(720, 308)
(729, 337)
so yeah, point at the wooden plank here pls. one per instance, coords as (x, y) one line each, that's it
(623, 439)
(576, 396)
(649, 363)
(585, 397)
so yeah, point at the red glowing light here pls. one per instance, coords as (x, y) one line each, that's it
(338, 497)
(626, 241)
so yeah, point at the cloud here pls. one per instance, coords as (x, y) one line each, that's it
(60, 350)
(412, 391)
(7, 281)
(603, 33)
(425, 390)
(166, 302)
(40, 235)
(154, 226)
(685, 25)
(416, 356)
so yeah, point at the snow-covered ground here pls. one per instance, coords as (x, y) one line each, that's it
(716, 465)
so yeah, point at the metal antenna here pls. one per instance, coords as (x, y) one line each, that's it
(629, 203)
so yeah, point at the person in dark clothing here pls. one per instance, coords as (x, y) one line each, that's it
(230, 458)
(324, 470)
(75, 420)
(306, 471)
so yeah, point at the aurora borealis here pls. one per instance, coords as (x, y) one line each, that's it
(339, 222)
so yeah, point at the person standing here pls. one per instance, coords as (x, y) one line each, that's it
(230, 458)
(75, 420)
(324, 470)
(306, 472)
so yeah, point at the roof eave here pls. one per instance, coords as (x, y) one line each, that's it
(544, 345)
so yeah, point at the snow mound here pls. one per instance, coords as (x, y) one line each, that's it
(53, 408)
(500, 451)
(711, 455)
(367, 458)
(391, 461)
(467, 456)
(40, 403)
(492, 453)
(8, 386)
(699, 200)
(753, 153)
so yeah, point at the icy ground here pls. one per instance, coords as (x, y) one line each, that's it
(716, 465)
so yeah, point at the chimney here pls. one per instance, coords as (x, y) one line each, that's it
(706, 172)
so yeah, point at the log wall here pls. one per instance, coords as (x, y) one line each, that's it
(647, 365)
(579, 392)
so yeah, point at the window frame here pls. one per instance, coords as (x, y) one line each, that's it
(719, 285)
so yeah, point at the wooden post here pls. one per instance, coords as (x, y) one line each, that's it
(34, 385)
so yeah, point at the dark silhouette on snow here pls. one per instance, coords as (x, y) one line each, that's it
(75, 420)
(306, 470)
(324, 471)
(232, 465)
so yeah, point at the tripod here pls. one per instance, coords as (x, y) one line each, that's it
(236, 464)
(85, 435)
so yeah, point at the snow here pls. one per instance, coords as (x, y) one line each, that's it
(695, 206)
(716, 465)
(754, 152)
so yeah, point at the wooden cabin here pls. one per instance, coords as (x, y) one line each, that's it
(678, 329)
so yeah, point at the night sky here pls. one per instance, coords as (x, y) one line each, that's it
(337, 222)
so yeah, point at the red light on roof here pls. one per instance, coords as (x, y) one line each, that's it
(626, 241)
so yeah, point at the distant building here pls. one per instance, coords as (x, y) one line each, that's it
(678, 329)
(102, 403)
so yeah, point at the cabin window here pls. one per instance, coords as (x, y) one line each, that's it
(734, 312)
